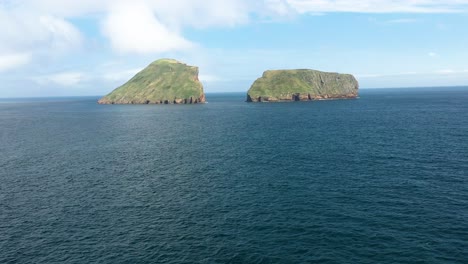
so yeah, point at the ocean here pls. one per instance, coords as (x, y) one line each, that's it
(379, 179)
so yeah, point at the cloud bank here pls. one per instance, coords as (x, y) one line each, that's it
(378, 6)
(134, 28)
(154, 26)
(13, 60)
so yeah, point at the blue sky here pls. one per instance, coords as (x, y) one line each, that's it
(89, 47)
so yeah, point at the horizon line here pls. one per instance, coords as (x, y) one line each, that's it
(227, 92)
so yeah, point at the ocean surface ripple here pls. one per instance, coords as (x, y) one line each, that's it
(380, 179)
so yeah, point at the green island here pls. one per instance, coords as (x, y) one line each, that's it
(165, 81)
(302, 85)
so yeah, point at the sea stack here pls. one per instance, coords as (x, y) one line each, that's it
(165, 81)
(302, 85)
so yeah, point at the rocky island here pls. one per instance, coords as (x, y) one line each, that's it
(165, 81)
(302, 85)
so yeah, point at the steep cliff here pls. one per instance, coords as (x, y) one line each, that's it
(302, 85)
(164, 81)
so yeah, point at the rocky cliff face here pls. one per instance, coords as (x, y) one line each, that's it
(164, 81)
(302, 85)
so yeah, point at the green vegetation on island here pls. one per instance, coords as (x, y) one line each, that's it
(302, 85)
(165, 81)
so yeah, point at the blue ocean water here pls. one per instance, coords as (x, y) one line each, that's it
(380, 179)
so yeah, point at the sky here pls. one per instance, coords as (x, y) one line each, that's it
(90, 47)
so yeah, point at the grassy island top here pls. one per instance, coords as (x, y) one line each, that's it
(164, 79)
(281, 84)
(163, 61)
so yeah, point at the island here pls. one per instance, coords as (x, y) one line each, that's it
(302, 85)
(165, 81)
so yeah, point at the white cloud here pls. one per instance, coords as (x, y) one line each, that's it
(229, 12)
(379, 6)
(203, 13)
(62, 78)
(25, 34)
(59, 34)
(11, 61)
(196, 13)
(27, 30)
(145, 26)
(432, 54)
(155, 26)
(209, 78)
(280, 7)
(134, 28)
